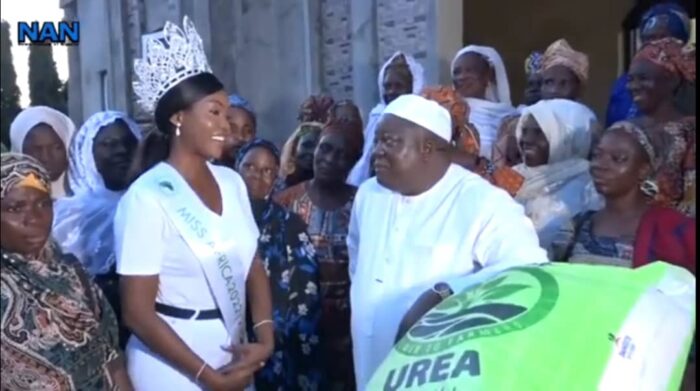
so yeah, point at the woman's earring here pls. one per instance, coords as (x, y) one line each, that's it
(649, 188)
(177, 130)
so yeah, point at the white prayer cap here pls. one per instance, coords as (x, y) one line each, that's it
(422, 112)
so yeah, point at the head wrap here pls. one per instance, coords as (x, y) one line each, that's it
(83, 222)
(533, 63)
(30, 117)
(257, 143)
(18, 170)
(351, 133)
(678, 20)
(670, 54)
(449, 98)
(425, 113)
(640, 136)
(561, 53)
(414, 67)
(318, 106)
(243, 104)
(566, 125)
(287, 165)
(500, 92)
(82, 171)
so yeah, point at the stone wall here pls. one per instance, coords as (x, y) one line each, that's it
(402, 25)
(336, 48)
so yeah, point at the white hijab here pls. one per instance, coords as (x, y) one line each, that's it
(488, 114)
(30, 117)
(555, 192)
(360, 172)
(83, 221)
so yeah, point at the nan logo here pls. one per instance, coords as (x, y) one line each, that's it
(48, 33)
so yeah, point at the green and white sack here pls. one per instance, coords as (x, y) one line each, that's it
(553, 327)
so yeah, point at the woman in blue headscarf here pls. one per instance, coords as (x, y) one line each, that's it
(243, 123)
(660, 21)
(290, 261)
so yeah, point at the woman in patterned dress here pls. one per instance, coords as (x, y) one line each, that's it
(325, 203)
(658, 70)
(290, 261)
(58, 331)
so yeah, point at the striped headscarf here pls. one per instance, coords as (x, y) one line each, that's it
(642, 138)
(19, 170)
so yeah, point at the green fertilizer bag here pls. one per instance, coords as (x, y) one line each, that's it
(554, 327)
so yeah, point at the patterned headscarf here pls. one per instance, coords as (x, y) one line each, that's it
(82, 171)
(243, 104)
(19, 170)
(315, 109)
(257, 143)
(670, 54)
(561, 53)
(641, 137)
(450, 99)
(533, 63)
(678, 20)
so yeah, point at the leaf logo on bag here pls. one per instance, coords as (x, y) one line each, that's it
(513, 301)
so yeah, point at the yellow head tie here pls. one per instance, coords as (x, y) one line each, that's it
(33, 181)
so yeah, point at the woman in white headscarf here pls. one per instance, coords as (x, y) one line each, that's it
(44, 134)
(101, 155)
(400, 75)
(479, 75)
(554, 137)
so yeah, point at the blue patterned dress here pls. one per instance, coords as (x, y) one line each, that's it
(290, 262)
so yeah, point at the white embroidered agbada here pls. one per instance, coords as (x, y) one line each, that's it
(488, 114)
(360, 172)
(30, 117)
(400, 246)
(553, 193)
(83, 222)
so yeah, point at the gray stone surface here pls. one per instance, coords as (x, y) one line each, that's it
(273, 52)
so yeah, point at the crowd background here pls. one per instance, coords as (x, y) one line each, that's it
(618, 190)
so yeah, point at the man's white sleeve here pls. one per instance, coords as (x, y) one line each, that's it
(507, 238)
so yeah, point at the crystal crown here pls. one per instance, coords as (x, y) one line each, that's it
(167, 60)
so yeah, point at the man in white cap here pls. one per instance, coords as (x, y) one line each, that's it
(421, 225)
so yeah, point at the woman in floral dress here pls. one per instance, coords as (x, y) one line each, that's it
(325, 203)
(290, 261)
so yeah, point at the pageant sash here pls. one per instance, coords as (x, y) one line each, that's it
(202, 231)
(553, 327)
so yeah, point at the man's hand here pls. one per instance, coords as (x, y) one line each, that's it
(427, 301)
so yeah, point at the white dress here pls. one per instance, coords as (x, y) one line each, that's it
(148, 243)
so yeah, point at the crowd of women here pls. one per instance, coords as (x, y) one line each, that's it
(110, 237)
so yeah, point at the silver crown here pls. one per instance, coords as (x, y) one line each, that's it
(168, 59)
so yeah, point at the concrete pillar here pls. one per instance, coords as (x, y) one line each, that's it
(75, 96)
(119, 66)
(365, 65)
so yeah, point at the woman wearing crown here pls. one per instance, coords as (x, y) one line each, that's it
(185, 236)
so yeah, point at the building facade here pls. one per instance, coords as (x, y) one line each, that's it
(274, 52)
(278, 52)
